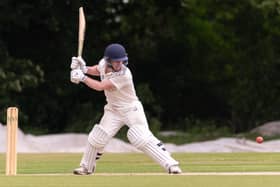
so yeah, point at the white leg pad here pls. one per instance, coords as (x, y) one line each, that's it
(97, 140)
(89, 158)
(142, 138)
(98, 137)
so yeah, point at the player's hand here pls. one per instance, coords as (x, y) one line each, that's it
(83, 65)
(77, 76)
(74, 63)
(79, 63)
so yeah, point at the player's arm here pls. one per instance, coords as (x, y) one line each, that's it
(77, 76)
(79, 63)
(93, 70)
(99, 85)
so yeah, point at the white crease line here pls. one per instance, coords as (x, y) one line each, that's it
(160, 174)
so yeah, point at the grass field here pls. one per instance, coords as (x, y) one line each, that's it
(200, 170)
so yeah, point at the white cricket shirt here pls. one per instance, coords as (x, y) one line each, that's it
(124, 94)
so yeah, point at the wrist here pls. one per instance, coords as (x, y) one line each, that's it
(85, 69)
(84, 78)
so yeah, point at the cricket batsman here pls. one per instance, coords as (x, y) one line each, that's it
(123, 108)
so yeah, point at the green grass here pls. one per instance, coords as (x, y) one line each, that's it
(35, 169)
(140, 181)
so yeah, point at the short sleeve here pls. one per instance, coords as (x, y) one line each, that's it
(101, 65)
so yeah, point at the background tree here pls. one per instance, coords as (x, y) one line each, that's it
(195, 62)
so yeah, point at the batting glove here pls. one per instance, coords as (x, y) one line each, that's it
(77, 76)
(79, 63)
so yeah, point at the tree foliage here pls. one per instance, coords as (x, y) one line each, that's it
(192, 60)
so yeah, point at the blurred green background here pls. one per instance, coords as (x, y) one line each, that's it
(199, 65)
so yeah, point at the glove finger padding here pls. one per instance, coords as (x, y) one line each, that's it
(82, 64)
(76, 76)
(72, 79)
(78, 63)
(75, 63)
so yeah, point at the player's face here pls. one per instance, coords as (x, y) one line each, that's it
(117, 65)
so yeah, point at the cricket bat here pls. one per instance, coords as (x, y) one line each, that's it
(82, 29)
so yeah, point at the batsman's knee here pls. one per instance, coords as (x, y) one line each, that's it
(139, 136)
(98, 137)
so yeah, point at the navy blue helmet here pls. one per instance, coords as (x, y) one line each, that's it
(115, 52)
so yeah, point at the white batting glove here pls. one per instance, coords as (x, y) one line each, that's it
(79, 63)
(77, 76)
(74, 63)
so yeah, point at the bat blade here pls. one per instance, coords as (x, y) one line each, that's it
(82, 29)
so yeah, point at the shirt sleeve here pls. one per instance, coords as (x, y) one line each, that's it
(101, 64)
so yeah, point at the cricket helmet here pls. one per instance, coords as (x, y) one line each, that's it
(115, 52)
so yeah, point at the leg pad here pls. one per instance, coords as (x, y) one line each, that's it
(142, 138)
